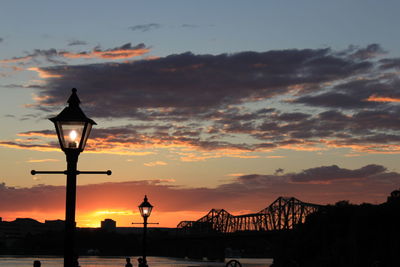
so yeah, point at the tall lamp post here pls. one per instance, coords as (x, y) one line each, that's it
(145, 210)
(73, 129)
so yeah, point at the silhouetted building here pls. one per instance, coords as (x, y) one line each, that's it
(55, 225)
(20, 227)
(25, 236)
(109, 225)
(28, 225)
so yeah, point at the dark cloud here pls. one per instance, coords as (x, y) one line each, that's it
(122, 52)
(371, 51)
(365, 125)
(330, 173)
(161, 135)
(297, 116)
(1, 40)
(32, 86)
(377, 119)
(263, 129)
(54, 56)
(50, 55)
(357, 93)
(77, 42)
(39, 147)
(325, 182)
(42, 197)
(145, 27)
(390, 63)
(334, 100)
(135, 138)
(196, 83)
(245, 131)
(321, 98)
(369, 128)
(37, 133)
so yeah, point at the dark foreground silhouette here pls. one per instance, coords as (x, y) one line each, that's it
(337, 235)
(128, 262)
(345, 235)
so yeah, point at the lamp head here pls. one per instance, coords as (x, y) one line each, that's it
(145, 208)
(72, 125)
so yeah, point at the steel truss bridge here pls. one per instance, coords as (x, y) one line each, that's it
(283, 213)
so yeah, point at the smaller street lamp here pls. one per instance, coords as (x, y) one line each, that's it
(145, 210)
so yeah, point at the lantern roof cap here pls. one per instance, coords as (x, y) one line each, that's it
(72, 112)
(145, 203)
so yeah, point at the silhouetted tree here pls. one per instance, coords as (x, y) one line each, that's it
(394, 196)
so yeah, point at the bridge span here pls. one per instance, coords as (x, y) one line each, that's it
(283, 213)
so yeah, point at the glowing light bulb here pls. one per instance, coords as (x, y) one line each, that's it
(72, 136)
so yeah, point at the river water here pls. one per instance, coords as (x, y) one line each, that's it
(11, 261)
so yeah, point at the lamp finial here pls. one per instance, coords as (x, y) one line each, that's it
(73, 100)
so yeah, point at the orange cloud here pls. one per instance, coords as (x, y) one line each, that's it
(114, 54)
(44, 74)
(53, 55)
(235, 174)
(306, 146)
(123, 52)
(365, 148)
(198, 154)
(187, 149)
(155, 163)
(36, 147)
(16, 59)
(42, 160)
(47, 134)
(45, 148)
(375, 98)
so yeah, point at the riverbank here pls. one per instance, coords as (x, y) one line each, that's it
(94, 261)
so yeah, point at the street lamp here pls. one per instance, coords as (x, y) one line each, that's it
(145, 210)
(73, 129)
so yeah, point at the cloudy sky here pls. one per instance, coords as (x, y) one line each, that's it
(200, 105)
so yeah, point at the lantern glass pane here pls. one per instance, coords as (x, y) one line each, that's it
(145, 211)
(86, 135)
(71, 134)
